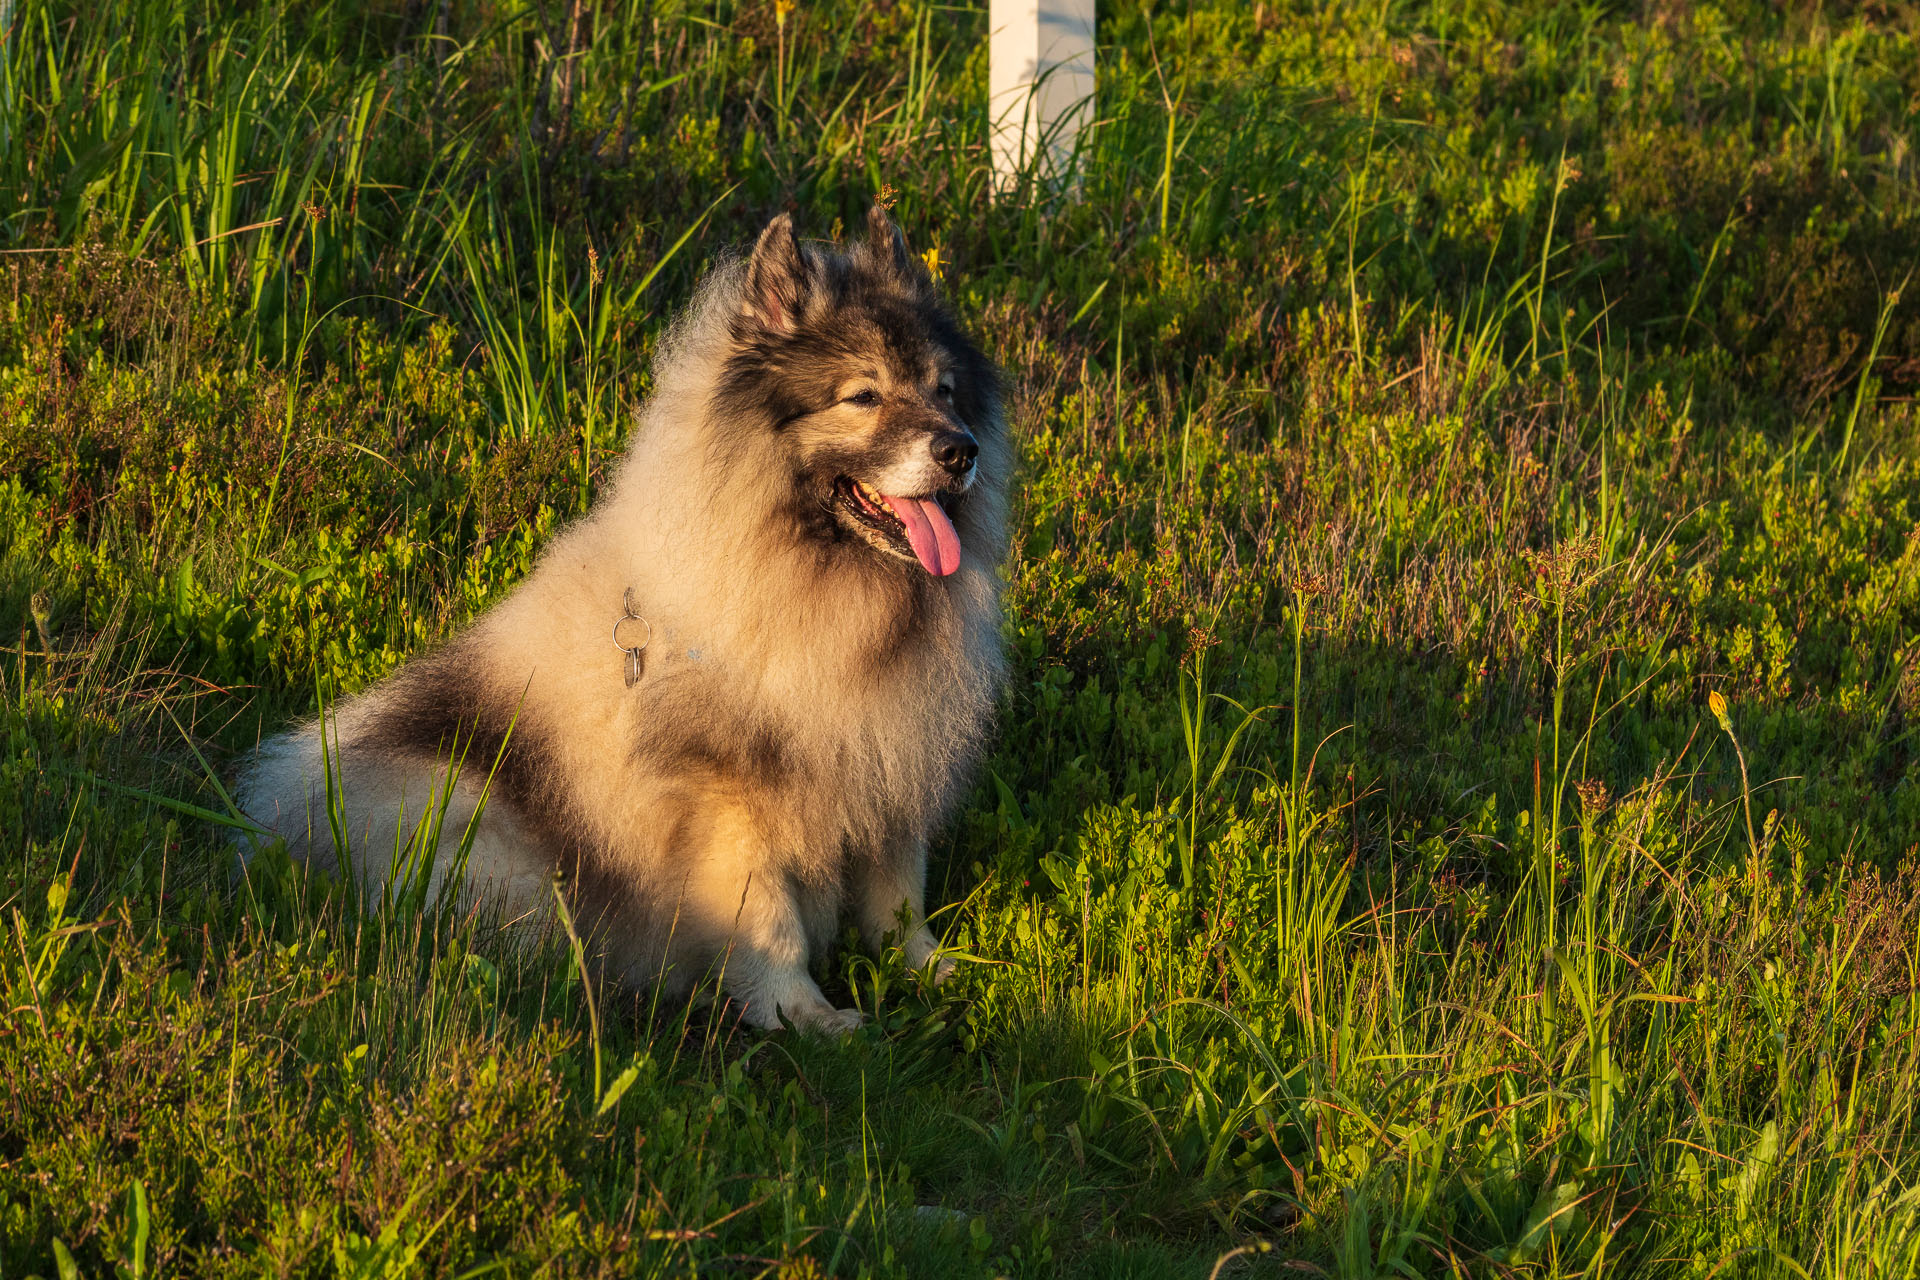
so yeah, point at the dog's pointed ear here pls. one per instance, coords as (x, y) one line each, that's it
(888, 246)
(778, 278)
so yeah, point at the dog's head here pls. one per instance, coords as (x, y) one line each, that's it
(885, 414)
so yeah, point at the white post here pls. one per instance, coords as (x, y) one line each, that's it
(1040, 84)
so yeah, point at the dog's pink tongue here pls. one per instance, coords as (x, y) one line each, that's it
(930, 532)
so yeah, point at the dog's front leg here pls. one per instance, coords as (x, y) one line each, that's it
(891, 893)
(740, 906)
(766, 964)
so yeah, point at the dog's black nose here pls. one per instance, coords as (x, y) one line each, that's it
(955, 450)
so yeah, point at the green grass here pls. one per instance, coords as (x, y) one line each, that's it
(1425, 409)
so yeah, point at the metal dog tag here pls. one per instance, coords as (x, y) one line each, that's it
(633, 652)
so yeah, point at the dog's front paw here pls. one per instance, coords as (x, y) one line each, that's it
(826, 1021)
(920, 949)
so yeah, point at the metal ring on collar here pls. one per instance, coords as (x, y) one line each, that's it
(631, 616)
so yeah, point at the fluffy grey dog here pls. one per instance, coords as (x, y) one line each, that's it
(729, 704)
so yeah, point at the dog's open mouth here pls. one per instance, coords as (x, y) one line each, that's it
(912, 527)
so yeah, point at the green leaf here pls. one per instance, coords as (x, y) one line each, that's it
(136, 1267)
(1553, 1214)
(1009, 807)
(617, 1090)
(183, 591)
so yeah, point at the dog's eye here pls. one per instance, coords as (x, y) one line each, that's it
(866, 398)
(946, 392)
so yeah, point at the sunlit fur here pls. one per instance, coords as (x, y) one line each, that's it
(810, 704)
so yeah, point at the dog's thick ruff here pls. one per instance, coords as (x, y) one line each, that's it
(820, 673)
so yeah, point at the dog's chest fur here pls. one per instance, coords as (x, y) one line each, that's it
(841, 709)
